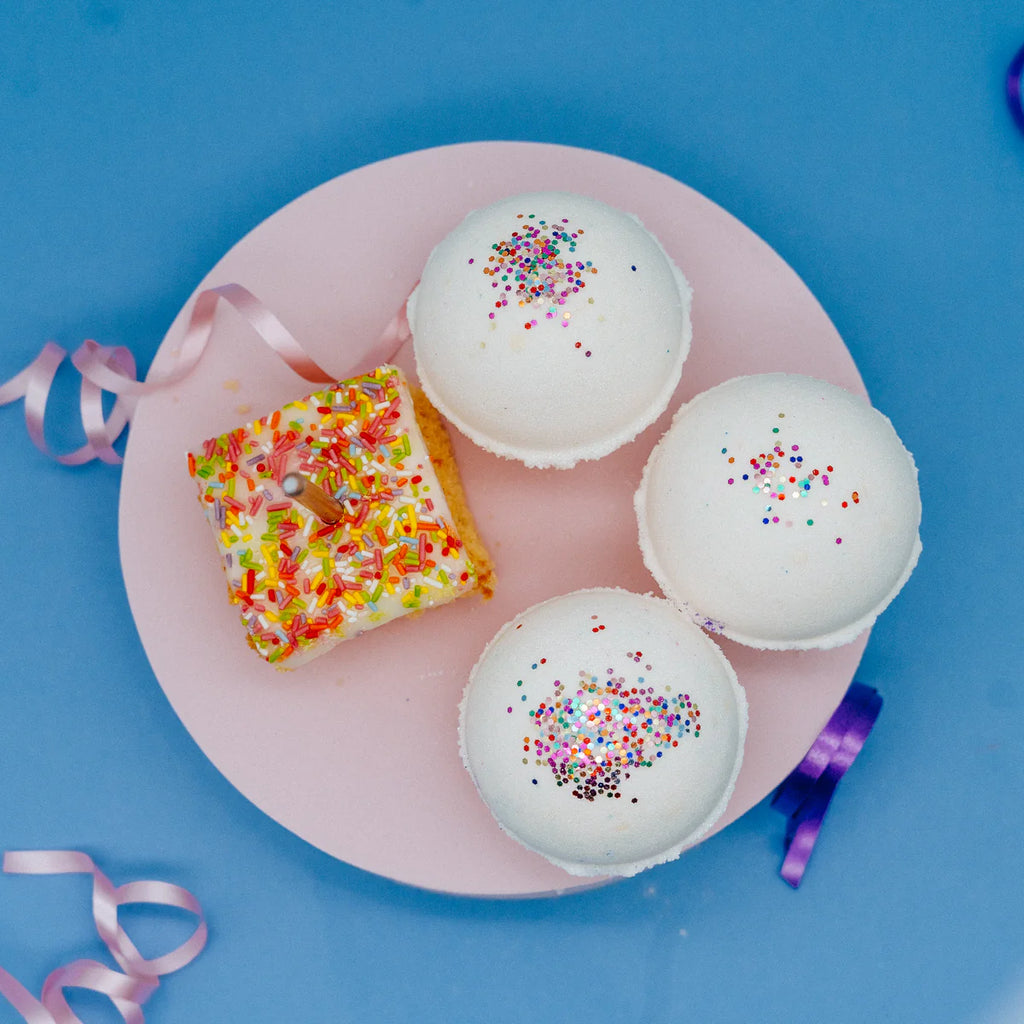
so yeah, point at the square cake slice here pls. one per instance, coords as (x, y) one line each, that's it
(403, 539)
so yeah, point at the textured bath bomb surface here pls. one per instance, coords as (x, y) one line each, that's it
(780, 511)
(604, 730)
(550, 328)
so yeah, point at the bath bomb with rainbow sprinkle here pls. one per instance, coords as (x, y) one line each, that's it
(550, 328)
(781, 511)
(604, 730)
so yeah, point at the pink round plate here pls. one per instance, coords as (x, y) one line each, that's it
(357, 752)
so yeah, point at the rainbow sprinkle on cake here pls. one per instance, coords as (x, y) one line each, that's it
(304, 585)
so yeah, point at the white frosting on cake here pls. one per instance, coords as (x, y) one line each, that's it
(781, 511)
(604, 730)
(550, 328)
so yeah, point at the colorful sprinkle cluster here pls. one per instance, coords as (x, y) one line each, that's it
(535, 267)
(594, 732)
(299, 581)
(779, 474)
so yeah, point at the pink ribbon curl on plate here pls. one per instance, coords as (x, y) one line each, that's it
(138, 978)
(112, 369)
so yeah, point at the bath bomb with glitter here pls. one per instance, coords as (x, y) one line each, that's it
(781, 511)
(550, 328)
(604, 730)
(400, 537)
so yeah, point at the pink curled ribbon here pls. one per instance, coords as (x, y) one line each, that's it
(806, 793)
(1013, 92)
(138, 978)
(112, 368)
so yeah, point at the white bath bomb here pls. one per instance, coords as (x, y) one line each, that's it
(550, 328)
(604, 730)
(780, 511)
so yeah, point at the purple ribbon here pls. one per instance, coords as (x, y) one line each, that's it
(1013, 94)
(805, 795)
(127, 991)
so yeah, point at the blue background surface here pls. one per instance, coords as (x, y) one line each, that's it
(869, 144)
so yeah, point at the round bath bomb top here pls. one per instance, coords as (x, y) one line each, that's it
(604, 730)
(550, 328)
(781, 511)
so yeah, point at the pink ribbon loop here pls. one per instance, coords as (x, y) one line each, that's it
(23, 1001)
(112, 369)
(127, 991)
(34, 384)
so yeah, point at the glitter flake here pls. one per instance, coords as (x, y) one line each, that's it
(534, 269)
(594, 732)
(779, 475)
